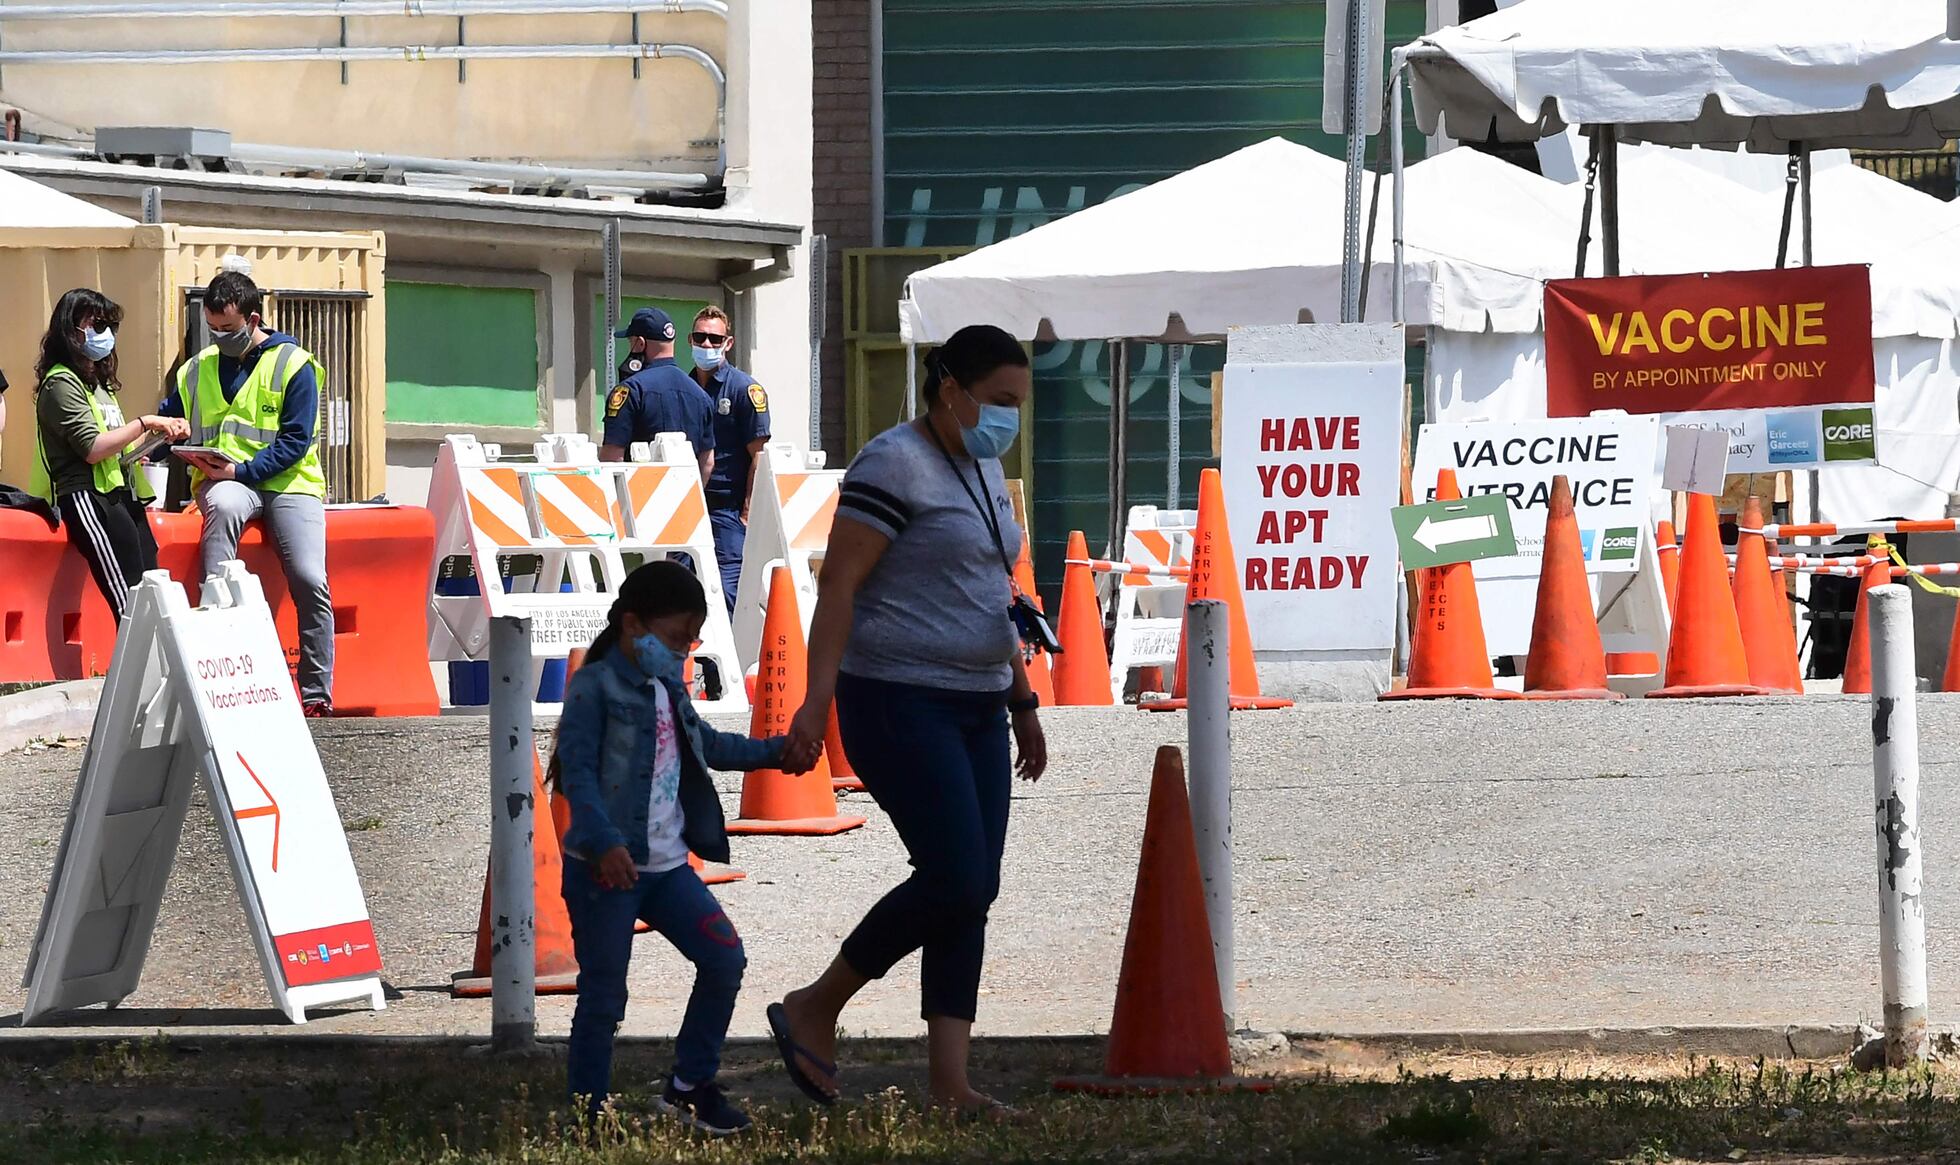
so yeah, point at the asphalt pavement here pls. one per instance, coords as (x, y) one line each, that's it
(1409, 868)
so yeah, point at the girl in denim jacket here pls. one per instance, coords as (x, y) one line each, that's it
(633, 761)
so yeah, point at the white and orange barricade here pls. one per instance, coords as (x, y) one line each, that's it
(550, 538)
(790, 510)
(1146, 593)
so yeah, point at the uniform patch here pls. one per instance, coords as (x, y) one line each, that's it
(616, 401)
(758, 398)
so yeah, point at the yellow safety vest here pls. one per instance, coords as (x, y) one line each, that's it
(108, 471)
(246, 425)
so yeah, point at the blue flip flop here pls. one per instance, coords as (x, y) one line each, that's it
(789, 1049)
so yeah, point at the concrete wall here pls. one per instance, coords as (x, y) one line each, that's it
(559, 110)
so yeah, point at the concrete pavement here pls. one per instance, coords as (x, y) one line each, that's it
(1432, 867)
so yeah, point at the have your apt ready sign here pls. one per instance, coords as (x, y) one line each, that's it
(1310, 457)
(203, 693)
(1610, 459)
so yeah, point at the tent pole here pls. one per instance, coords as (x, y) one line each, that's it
(1394, 132)
(1175, 409)
(1803, 187)
(911, 409)
(1609, 198)
(1586, 210)
(1119, 444)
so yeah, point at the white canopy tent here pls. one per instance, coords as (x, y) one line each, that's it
(26, 205)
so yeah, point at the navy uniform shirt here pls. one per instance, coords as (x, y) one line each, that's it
(659, 398)
(741, 417)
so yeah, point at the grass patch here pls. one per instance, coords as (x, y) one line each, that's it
(311, 1101)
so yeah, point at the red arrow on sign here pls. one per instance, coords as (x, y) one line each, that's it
(270, 809)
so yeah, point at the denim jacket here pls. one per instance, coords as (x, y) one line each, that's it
(605, 758)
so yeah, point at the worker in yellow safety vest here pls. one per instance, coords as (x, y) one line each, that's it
(253, 399)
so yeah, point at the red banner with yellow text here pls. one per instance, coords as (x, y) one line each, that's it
(1695, 343)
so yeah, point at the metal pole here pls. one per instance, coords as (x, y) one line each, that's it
(1895, 792)
(609, 244)
(911, 409)
(153, 204)
(1354, 115)
(1609, 197)
(513, 897)
(1208, 712)
(1175, 357)
(1119, 443)
(1803, 188)
(819, 323)
(1394, 133)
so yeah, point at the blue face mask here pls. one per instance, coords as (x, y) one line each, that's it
(708, 358)
(98, 345)
(994, 433)
(657, 659)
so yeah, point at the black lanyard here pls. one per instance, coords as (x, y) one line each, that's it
(987, 514)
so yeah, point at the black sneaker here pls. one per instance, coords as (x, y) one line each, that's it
(703, 1107)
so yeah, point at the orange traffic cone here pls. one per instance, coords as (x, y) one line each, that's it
(773, 801)
(1950, 680)
(1038, 662)
(1768, 640)
(1448, 660)
(1704, 654)
(843, 778)
(557, 965)
(1567, 660)
(1669, 552)
(1081, 671)
(1858, 656)
(1169, 1029)
(1215, 575)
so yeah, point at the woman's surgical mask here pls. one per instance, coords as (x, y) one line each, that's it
(657, 659)
(98, 345)
(234, 343)
(708, 358)
(994, 433)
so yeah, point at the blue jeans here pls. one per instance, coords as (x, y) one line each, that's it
(731, 535)
(937, 762)
(676, 904)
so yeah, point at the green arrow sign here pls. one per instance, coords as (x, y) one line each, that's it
(1439, 533)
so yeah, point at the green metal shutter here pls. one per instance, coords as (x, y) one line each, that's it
(462, 355)
(1001, 115)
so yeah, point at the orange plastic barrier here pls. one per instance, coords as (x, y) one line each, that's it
(54, 624)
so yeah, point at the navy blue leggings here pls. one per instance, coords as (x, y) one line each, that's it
(937, 762)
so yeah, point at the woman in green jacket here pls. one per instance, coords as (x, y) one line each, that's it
(80, 439)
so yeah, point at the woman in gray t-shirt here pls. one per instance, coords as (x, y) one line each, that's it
(913, 639)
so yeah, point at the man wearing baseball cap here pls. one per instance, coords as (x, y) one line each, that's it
(659, 398)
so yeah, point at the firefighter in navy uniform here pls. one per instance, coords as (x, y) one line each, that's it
(741, 418)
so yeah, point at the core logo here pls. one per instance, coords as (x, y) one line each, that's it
(1850, 435)
(1619, 545)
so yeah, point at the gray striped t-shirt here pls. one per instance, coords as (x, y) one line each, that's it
(933, 611)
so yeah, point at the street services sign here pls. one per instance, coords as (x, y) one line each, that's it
(1780, 360)
(202, 692)
(1466, 530)
(1310, 462)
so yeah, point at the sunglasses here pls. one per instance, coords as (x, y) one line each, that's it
(709, 339)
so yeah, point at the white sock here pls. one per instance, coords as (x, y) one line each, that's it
(681, 1085)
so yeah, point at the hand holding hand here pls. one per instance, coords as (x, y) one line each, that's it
(616, 870)
(806, 732)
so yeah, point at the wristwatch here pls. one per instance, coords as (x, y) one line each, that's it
(1028, 705)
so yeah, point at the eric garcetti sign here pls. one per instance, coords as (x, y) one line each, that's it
(1720, 341)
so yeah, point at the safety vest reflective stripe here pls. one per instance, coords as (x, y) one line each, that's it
(239, 427)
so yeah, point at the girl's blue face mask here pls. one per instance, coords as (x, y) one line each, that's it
(657, 659)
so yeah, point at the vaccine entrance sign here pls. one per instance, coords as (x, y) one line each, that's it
(202, 693)
(1780, 360)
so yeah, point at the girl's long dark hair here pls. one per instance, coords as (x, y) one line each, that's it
(653, 591)
(59, 344)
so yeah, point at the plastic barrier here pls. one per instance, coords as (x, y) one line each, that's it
(54, 624)
(790, 510)
(549, 539)
(1149, 608)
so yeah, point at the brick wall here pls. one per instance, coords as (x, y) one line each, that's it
(841, 40)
